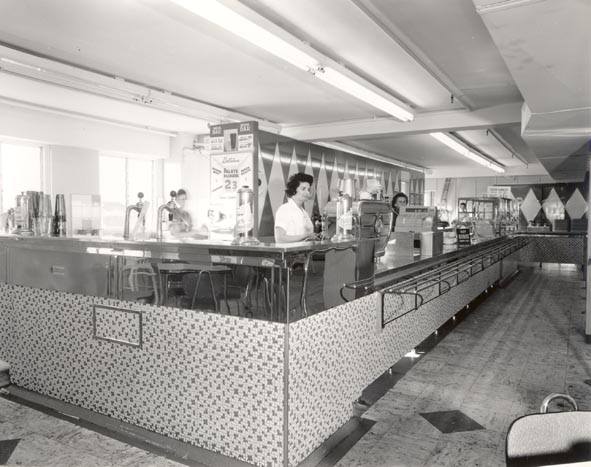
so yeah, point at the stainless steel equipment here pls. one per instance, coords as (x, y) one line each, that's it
(244, 229)
(344, 218)
(59, 219)
(134, 207)
(170, 208)
(349, 187)
(374, 220)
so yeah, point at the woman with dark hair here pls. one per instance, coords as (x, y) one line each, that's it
(400, 200)
(292, 223)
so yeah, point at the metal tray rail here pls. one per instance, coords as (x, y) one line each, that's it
(449, 275)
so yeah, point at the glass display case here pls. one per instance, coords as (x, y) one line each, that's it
(500, 213)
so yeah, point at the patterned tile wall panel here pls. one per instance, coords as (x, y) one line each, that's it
(334, 355)
(282, 156)
(7, 332)
(211, 380)
(566, 250)
(571, 197)
(118, 325)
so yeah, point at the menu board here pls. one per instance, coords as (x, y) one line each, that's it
(232, 137)
(233, 165)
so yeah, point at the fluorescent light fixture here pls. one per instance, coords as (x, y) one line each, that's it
(344, 83)
(235, 23)
(464, 151)
(370, 155)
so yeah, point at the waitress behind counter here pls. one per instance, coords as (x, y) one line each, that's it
(292, 223)
(400, 200)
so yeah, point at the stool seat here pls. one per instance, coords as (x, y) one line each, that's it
(549, 438)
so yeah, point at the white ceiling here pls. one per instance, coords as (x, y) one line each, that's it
(421, 52)
(550, 61)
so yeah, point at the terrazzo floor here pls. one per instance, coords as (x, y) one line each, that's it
(523, 343)
(29, 437)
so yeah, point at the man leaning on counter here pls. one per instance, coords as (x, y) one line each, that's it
(292, 223)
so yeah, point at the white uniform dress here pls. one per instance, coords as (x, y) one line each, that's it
(293, 219)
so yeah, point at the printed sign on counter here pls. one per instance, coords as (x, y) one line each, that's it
(463, 236)
(233, 165)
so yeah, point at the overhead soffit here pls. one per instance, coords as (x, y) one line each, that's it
(550, 60)
(420, 150)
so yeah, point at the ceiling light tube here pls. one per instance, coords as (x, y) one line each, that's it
(464, 151)
(235, 23)
(346, 84)
(370, 155)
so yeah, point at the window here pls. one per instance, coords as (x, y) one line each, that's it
(112, 186)
(120, 181)
(20, 170)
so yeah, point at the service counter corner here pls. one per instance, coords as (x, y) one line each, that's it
(266, 392)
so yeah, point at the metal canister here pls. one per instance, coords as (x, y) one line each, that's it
(59, 219)
(244, 230)
(350, 187)
(344, 219)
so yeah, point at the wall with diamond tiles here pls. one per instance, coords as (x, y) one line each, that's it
(334, 355)
(538, 198)
(280, 157)
(212, 380)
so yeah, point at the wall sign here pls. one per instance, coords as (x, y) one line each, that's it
(233, 157)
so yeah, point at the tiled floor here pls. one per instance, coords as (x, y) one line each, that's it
(523, 343)
(44, 440)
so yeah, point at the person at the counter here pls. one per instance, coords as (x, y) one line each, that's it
(181, 221)
(292, 223)
(400, 200)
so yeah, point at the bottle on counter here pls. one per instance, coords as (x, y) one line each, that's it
(324, 227)
(317, 222)
(59, 219)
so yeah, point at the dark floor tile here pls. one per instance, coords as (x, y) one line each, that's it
(451, 421)
(7, 447)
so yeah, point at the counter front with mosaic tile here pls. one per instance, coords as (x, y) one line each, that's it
(241, 351)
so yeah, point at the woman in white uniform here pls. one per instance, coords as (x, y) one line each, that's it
(292, 223)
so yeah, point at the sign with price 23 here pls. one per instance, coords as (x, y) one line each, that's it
(230, 171)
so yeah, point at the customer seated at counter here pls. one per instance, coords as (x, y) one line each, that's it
(292, 222)
(400, 200)
(181, 223)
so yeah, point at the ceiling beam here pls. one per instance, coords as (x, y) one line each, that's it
(452, 120)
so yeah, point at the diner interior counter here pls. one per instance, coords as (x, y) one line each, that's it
(246, 382)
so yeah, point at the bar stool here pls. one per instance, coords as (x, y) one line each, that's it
(209, 271)
(138, 282)
(165, 270)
